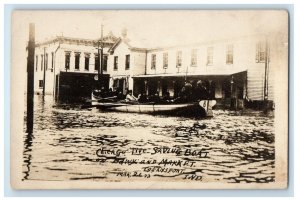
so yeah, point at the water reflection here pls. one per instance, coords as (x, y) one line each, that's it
(66, 139)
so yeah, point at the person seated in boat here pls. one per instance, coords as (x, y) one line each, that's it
(110, 92)
(182, 96)
(142, 98)
(200, 92)
(166, 97)
(97, 92)
(188, 91)
(154, 97)
(130, 96)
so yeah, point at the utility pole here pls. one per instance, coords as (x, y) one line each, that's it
(100, 58)
(30, 77)
(266, 104)
(266, 71)
(44, 78)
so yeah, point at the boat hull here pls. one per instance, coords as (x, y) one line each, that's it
(184, 109)
(202, 108)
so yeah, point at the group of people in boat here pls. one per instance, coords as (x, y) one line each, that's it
(190, 92)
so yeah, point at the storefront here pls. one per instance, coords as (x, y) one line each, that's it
(228, 89)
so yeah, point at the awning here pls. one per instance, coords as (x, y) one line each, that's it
(207, 73)
(116, 77)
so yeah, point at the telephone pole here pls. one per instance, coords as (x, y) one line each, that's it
(100, 58)
(30, 77)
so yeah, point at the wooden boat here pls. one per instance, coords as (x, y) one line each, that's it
(202, 108)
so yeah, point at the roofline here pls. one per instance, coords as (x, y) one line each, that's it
(204, 42)
(63, 39)
(189, 74)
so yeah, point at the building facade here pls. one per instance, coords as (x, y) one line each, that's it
(124, 62)
(67, 66)
(234, 69)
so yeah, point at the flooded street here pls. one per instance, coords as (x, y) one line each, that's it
(69, 143)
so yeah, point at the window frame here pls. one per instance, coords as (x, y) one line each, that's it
(229, 54)
(179, 58)
(105, 59)
(116, 63)
(86, 61)
(127, 61)
(153, 61)
(165, 60)
(67, 60)
(210, 56)
(260, 50)
(41, 84)
(77, 61)
(194, 57)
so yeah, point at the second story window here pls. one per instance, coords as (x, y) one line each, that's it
(116, 63)
(105, 62)
(86, 61)
(178, 59)
(153, 61)
(210, 55)
(42, 62)
(67, 60)
(260, 52)
(36, 62)
(229, 54)
(165, 60)
(77, 60)
(127, 62)
(194, 57)
(97, 62)
(41, 83)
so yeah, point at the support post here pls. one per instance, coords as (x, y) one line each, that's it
(30, 77)
(44, 76)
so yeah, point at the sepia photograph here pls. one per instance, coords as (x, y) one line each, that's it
(149, 99)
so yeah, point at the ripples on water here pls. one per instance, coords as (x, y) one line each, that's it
(66, 138)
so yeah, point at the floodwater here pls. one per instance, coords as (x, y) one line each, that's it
(69, 143)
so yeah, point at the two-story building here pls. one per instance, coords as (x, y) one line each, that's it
(125, 62)
(231, 69)
(238, 69)
(66, 67)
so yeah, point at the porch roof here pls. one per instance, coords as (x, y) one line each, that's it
(207, 73)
